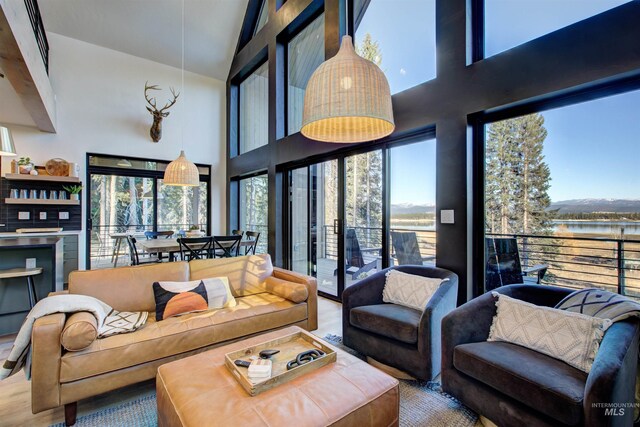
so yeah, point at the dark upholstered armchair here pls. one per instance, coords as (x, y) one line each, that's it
(514, 386)
(398, 336)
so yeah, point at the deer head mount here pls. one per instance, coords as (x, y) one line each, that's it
(158, 114)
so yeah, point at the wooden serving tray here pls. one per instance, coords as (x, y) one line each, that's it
(290, 346)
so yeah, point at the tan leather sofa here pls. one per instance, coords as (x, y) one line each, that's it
(268, 298)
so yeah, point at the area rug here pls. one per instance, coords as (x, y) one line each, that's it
(422, 404)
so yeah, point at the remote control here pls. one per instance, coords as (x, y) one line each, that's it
(242, 363)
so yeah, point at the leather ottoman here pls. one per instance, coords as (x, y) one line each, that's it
(200, 391)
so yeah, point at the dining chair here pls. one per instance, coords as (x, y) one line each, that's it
(237, 232)
(226, 246)
(195, 248)
(135, 257)
(252, 238)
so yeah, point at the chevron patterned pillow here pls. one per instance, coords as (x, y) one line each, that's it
(409, 290)
(573, 338)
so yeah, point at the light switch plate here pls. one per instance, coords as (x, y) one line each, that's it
(31, 263)
(24, 215)
(43, 216)
(63, 215)
(447, 216)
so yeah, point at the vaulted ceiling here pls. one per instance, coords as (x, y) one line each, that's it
(151, 29)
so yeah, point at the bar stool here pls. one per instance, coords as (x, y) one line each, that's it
(24, 272)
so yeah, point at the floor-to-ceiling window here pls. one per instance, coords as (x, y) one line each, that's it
(305, 52)
(563, 185)
(400, 37)
(254, 110)
(254, 207)
(412, 234)
(127, 196)
(509, 23)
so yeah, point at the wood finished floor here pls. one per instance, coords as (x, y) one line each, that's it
(15, 392)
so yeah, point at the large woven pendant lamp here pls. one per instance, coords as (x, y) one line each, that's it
(181, 172)
(347, 100)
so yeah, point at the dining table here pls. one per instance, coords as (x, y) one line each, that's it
(153, 246)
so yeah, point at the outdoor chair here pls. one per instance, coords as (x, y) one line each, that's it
(406, 248)
(356, 264)
(252, 242)
(135, 257)
(503, 265)
(195, 247)
(395, 335)
(226, 246)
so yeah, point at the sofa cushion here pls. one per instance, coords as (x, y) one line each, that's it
(294, 292)
(127, 288)
(157, 340)
(571, 337)
(246, 273)
(541, 382)
(177, 298)
(410, 290)
(80, 330)
(390, 320)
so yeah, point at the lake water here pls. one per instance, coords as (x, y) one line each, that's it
(608, 228)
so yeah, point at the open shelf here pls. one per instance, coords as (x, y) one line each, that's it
(11, 201)
(46, 178)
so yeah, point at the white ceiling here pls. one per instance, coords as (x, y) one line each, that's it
(151, 29)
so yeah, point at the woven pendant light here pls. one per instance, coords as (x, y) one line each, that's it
(181, 172)
(347, 100)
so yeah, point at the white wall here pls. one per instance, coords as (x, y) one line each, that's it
(101, 109)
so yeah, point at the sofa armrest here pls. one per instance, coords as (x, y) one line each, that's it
(430, 328)
(46, 353)
(312, 289)
(613, 377)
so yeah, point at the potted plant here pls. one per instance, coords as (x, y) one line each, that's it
(25, 166)
(194, 231)
(74, 191)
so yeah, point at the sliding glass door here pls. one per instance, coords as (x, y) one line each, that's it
(352, 216)
(363, 214)
(314, 224)
(127, 197)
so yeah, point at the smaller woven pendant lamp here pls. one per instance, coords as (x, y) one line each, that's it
(181, 172)
(347, 100)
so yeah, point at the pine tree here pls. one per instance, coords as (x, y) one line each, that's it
(517, 177)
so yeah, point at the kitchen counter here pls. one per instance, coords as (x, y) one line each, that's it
(13, 234)
(14, 301)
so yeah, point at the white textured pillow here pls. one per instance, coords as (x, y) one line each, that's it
(573, 338)
(409, 290)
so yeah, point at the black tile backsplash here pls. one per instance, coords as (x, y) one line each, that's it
(9, 213)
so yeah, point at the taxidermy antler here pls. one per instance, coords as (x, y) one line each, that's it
(158, 114)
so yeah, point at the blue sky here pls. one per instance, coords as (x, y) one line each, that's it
(592, 148)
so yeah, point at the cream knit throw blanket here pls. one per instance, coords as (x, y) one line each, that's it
(110, 322)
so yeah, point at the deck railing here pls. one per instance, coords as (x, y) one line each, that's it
(575, 262)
